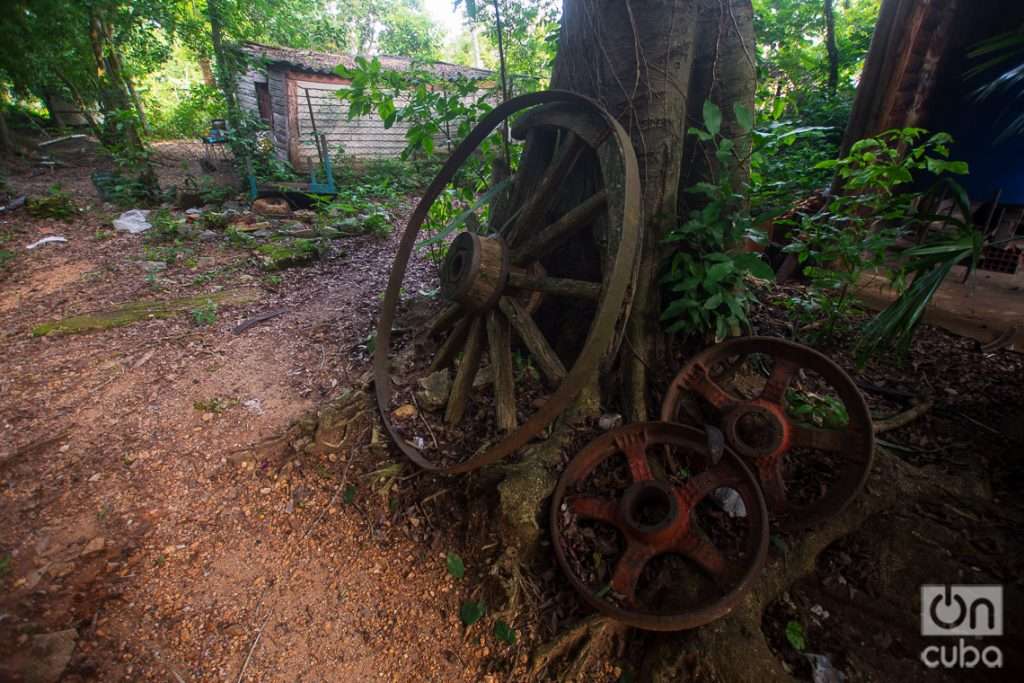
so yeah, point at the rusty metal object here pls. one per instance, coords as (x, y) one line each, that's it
(663, 509)
(764, 430)
(475, 276)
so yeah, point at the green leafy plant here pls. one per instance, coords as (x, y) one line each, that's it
(56, 204)
(349, 494)
(795, 635)
(504, 632)
(166, 228)
(855, 231)
(817, 409)
(705, 275)
(472, 611)
(205, 314)
(927, 266)
(455, 566)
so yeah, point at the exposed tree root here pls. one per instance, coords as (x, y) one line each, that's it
(734, 649)
(584, 646)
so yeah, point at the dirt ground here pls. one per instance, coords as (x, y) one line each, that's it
(141, 528)
(132, 511)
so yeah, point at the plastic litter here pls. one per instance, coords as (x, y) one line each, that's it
(730, 502)
(822, 670)
(134, 221)
(47, 240)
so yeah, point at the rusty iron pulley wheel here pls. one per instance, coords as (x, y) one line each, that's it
(655, 531)
(806, 431)
(492, 279)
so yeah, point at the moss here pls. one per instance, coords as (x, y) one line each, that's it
(141, 310)
(288, 253)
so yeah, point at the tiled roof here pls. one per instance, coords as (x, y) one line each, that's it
(325, 62)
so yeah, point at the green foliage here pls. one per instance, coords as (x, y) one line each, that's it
(431, 105)
(471, 612)
(784, 165)
(349, 494)
(792, 57)
(410, 33)
(927, 266)
(205, 314)
(504, 632)
(189, 116)
(166, 228)
(56, 204)
(819, 410)
(795, 635)
(455, 566)
(5, 258)
(705, 279)
(856, 229)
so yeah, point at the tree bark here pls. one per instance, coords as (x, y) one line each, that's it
(225, 74)
(653, 64)
(831, 47)
(207, 70)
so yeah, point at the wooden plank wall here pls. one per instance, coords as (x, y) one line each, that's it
(363, 137)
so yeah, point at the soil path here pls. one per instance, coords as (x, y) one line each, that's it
(129, 510)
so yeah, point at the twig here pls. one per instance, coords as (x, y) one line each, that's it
(257, 319)
(425, 423)
(252, 648)
(902, 419)
(884, 391)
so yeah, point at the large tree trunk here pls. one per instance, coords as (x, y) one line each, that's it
(652, 64)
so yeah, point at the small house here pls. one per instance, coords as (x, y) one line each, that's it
(293, 91)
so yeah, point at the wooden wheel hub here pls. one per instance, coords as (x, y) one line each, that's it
(475, 271)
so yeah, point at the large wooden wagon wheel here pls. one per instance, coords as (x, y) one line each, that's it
(491, 279)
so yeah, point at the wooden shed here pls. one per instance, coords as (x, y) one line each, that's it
(291, 89)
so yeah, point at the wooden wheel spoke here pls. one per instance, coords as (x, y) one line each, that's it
(443, 320)
(541, 199)
(553, 235)
(594, 507)
(628, 570)
(467, 372)
(634, 446)
(577, 289)
(547, 360)
(499, 347)
(804, 436)
(450, 347)
(782, 374)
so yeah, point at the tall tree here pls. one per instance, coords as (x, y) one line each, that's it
(654, 64)
(831, 47)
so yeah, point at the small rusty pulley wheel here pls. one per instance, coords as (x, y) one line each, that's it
(652, 531)
(806, 430)
(492, 278)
